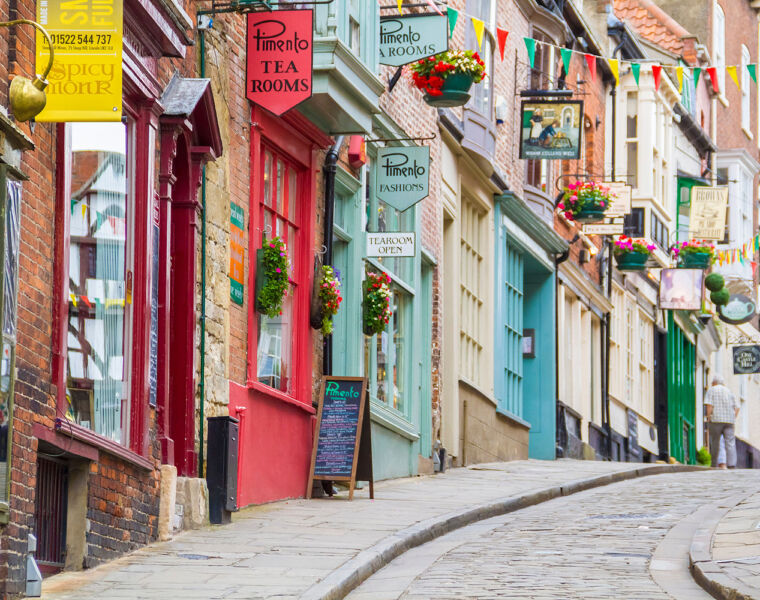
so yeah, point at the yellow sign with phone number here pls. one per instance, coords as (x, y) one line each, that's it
(86, 78)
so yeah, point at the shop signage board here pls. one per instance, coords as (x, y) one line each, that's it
(237, 253)
(603, 228)
(707, 215)
(155, 274)
(621, 203)
(86, 78)
(279, 58)
(342, 440)
(746, 360)
(681, 289)
(403, 175)
(551, 129)
(740, 309)
(391, 244)
(409, 38)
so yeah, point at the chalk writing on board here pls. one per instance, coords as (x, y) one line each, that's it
(339, 427)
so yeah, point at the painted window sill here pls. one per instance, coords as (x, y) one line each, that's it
(503, 412)
(262, 388)
(87, 436)
(392, 419)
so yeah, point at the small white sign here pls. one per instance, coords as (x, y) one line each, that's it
(621, 205)
(391, 244)
(603, 229)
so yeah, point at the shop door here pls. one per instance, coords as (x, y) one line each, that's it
(661, 392)
(681, 394)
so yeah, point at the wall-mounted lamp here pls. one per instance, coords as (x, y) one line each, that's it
(27, 97)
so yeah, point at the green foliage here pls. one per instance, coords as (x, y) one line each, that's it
(376, 302)
(703, 457)
(721, 297)
(715, 282)
(329, 294)
(275, 263)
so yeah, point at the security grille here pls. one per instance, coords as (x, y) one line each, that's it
(50, 513)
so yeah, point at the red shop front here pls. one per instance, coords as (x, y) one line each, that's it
(275, 406)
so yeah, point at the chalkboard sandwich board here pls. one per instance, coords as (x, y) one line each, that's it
(342, 440)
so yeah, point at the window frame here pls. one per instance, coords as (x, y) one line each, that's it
(487, 54)
(746, 111)
(719, 48)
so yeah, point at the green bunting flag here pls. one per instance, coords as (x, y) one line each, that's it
(752, 72)
(567, 54)
(696, 71)
(636, 69)
(453, 16)
(530, 44)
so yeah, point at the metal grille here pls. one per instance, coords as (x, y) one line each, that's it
(50, 513)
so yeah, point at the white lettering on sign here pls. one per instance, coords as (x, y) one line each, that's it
(391, 244)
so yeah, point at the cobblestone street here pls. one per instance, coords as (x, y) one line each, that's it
(609, 542)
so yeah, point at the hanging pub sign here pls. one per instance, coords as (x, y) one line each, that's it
(406, 39)
(620, 205)
(403, 175)
(707, 215)
(393, 244)
(746, 360)
(279, 58)
(740, 309)
(85, 81)
(681, 289)
(551, 129)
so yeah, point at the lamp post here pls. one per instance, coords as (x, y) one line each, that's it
(27, 97)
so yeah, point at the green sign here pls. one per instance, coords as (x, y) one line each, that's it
(403, 175)
(406, 39)
(237, 252)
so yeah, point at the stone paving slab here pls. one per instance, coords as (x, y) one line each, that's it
(291, 548)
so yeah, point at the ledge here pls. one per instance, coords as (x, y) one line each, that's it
(509, 416)
(278, 395)
(389, 418)
(87, 436)
(67, 443)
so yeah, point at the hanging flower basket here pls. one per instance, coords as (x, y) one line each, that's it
(271, 277)
(632, 255)
(585, 202)
(330, 298)
(695, 254)
(376, 303)
(447, 78)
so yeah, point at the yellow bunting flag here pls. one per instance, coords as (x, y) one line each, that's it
(399, 5)
(73, 300)
(615, 68)
(732, 74)
(679, 76)
(478, 25)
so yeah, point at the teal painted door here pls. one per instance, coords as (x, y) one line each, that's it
(509, 357)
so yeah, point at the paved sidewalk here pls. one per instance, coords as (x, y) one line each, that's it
(726, 557)
(309, 547)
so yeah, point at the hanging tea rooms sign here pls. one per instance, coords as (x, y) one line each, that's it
(403, 175)
(406, 39)
(279, 58)
(391, 244)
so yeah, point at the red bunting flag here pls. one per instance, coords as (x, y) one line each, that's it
(656, 72)
(501, 36)
(434, 7)
(713, 73)
(591, 62)
(754, 266)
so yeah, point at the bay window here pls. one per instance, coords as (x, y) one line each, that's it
(482, 94)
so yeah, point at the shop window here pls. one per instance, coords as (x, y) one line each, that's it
(10, 201)
(473, 280)
(278, 216)
(659, 233)
(512, 327)
(633, 223)
(482, 94)
(632, 139)
(100, 280)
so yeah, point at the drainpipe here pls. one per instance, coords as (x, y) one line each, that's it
(558, 260)
(202, 382)
(329, 170)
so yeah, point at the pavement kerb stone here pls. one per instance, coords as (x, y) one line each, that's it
(353, 572)
(707, 572)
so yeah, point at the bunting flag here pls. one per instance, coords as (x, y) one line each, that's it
(432, 5)
(453, 15)
(696, 71)
(478, 25)
(679, 77)
(713, 73)
(752, 72)
(731, 71)
(530, 45)
(656, 73)
(73, 300)
(399, 3)
(636, 69)
(567, 56)
(739, 255)
(615, 68)
(591, 62)
(501, 37)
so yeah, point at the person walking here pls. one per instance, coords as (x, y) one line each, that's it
(722, 410)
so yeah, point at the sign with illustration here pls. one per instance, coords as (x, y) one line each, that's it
(403, 175)
(279, 58)
(85, 81)
(237, 253)
(620, 205)
(393, 244)
(746, 360)
(412, 37)
(551, 129)
(707, 215)
(681, 289)
(740, 309)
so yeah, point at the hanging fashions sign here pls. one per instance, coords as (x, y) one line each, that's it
(403, 175)
(279, 58)
(707, 215)
(85, 81)
(551, 129)
(406, 39)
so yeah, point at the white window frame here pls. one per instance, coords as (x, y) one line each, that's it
(719, 48)
(746, 59)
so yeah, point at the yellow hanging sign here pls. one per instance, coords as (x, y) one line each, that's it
(86, 78)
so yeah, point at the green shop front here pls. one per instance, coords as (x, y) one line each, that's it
(525, 322)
